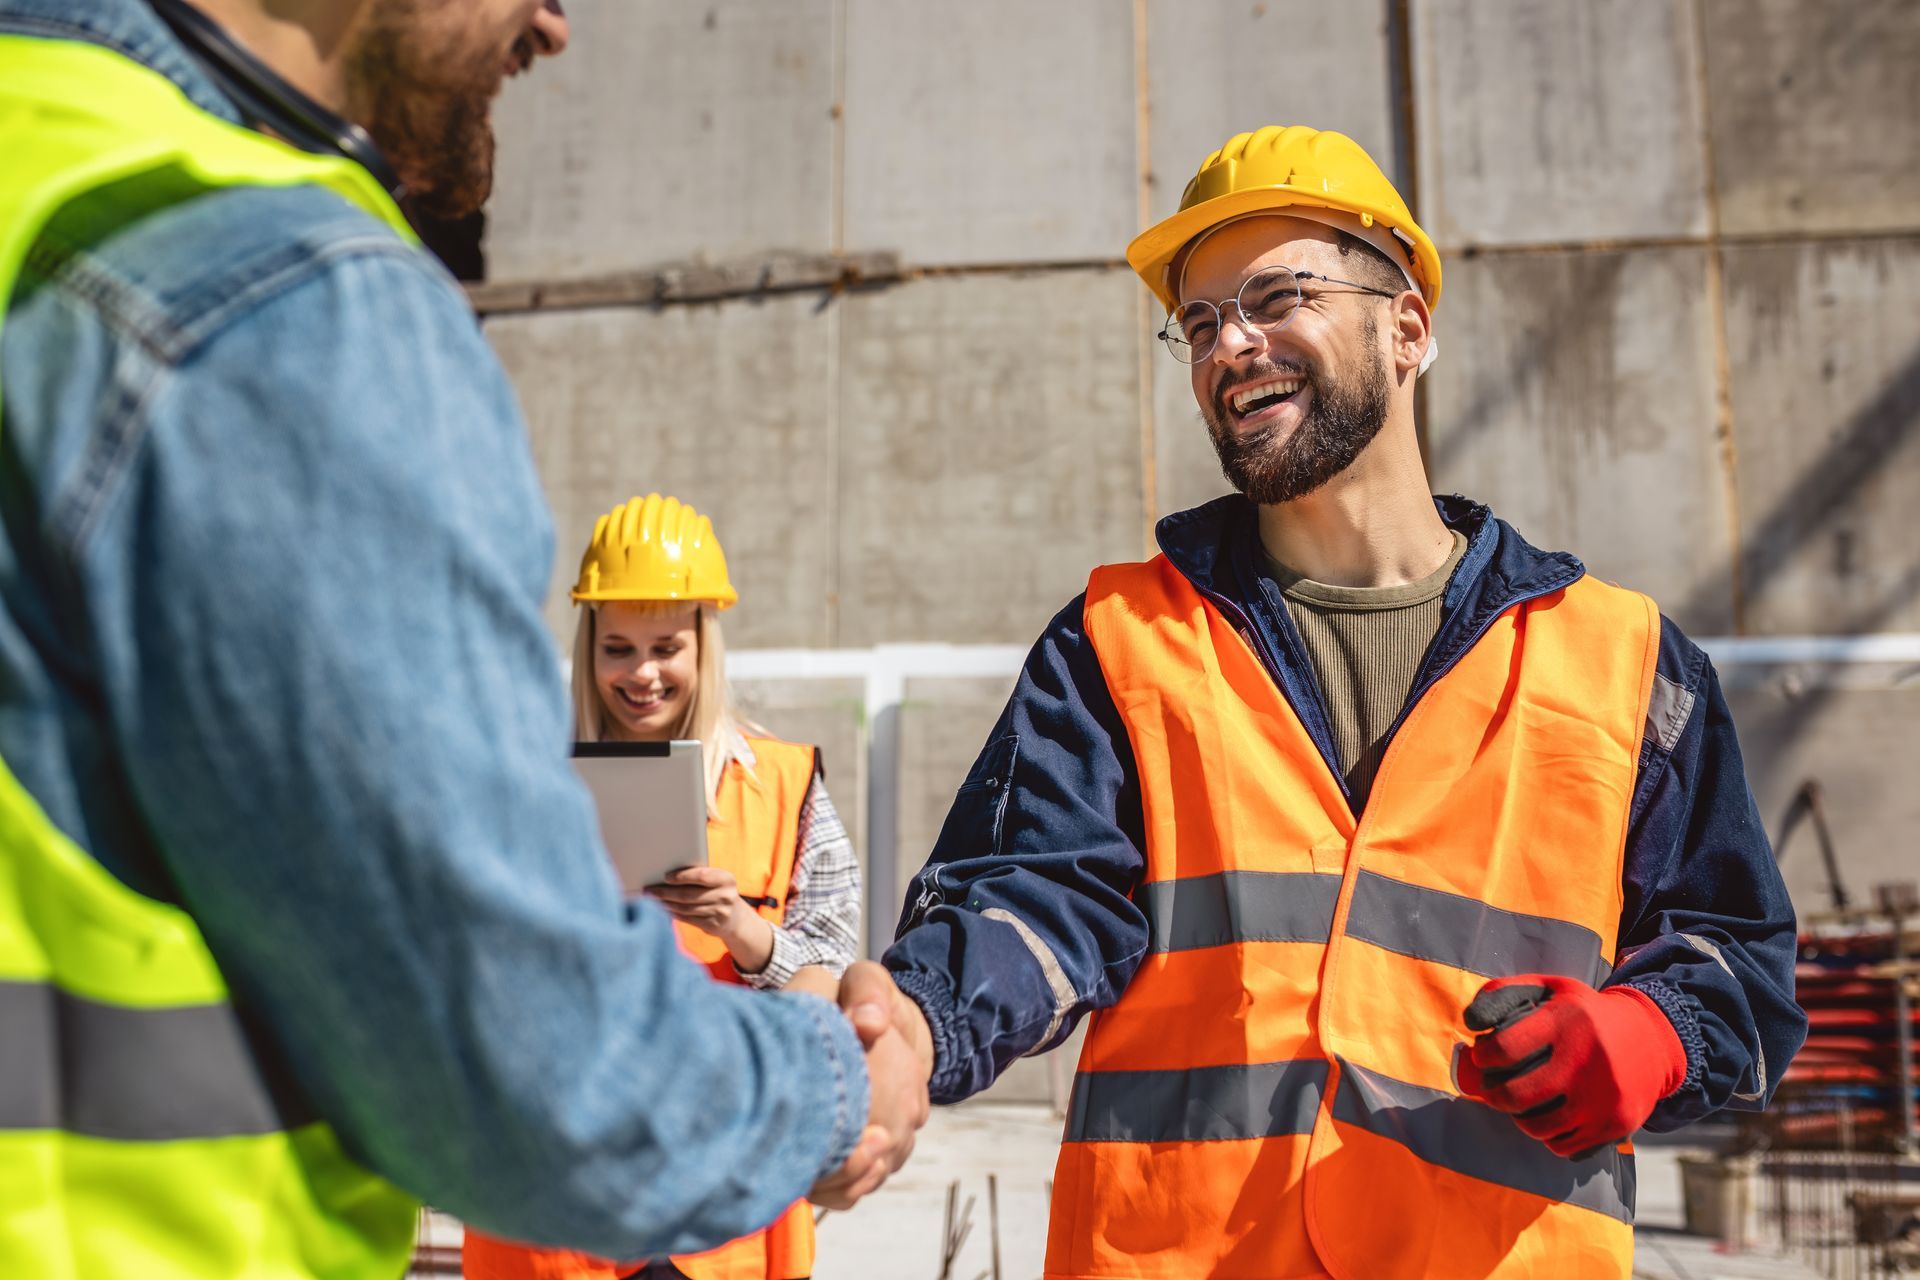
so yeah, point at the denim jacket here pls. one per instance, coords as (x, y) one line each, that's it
(272, 552)
(1022, 920)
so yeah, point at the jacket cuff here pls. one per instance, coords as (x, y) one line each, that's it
(1686, 1025)
(851, 1096)
(952, 1046)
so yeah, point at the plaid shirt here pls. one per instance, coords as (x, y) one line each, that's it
(822, 924)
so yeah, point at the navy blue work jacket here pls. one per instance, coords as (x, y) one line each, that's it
(1022, 920)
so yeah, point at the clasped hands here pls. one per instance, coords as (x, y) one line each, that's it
(899, 1051)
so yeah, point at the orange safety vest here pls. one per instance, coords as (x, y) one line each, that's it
(755, 833)
(1273, 1095)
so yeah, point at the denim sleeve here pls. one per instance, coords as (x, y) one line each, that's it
(1707, 930)
(1021, 922)
(312, 567)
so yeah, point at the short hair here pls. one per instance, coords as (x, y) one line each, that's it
(1369, 265)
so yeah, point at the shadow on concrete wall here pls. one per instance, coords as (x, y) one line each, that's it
(1882, 432)
(1868, 442)
(1542, 342)
(1863, 447)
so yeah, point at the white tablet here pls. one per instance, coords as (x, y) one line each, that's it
(652, 799)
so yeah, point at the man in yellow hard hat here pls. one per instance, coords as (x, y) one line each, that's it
(304, 915)
(1407, 869)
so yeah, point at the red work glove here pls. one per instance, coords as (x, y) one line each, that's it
(1578, 1069)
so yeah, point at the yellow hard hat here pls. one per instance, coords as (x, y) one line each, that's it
(654, 548)
(1276, 167)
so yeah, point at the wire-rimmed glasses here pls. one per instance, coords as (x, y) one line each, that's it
(1267, 301)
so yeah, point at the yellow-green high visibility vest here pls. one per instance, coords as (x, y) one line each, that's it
(140, 1136)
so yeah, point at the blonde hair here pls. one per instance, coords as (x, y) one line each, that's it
(708, 715)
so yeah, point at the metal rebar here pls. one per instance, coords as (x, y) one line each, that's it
(958, 1227)
(1810, 802)
(1896, 898)
(993, 1220)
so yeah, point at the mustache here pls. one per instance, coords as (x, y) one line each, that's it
(1261, 371)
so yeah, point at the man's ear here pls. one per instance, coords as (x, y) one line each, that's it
(1412, 328)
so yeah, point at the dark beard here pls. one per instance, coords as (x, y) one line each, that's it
(429, 111)
(1343, 419)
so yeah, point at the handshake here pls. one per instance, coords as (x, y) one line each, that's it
(899, 1063)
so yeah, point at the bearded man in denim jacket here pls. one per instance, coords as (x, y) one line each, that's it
(271, 561)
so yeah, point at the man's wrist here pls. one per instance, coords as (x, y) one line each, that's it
(919, 1032)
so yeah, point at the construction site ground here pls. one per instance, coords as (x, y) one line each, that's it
(897, 1234)
(901, 1232)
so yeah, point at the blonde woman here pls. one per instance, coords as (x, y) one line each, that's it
(781, 888)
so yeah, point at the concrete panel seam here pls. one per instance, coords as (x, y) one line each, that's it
(686, 282)
(699, 283)
(839, 110)
(835, 331)
(1620, 244)
(1723, 425)
(1400, 61)
(1143, 307)
(836, 417)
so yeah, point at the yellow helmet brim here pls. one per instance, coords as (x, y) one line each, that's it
(1154, 250)
(718, 601)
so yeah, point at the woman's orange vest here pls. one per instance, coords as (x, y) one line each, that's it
(1273, 1095)
(754, 833)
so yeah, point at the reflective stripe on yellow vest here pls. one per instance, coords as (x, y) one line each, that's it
(1273, 1094)
(140, 1135)
(754, 833)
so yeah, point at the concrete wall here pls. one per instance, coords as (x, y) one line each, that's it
(1682, 247)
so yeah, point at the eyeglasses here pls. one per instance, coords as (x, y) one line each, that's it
(1267, 301)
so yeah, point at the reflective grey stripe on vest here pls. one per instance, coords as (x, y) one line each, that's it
(1270, 1099)
(131, 1075)
(1473, 1139)
(1238, 906)
(1199, 1104)
(1449, 929)
(1427, 924)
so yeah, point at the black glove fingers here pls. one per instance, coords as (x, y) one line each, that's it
(1547, 1128)
(1554, 1103)
(1497, 1008)
(1499, 1076)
